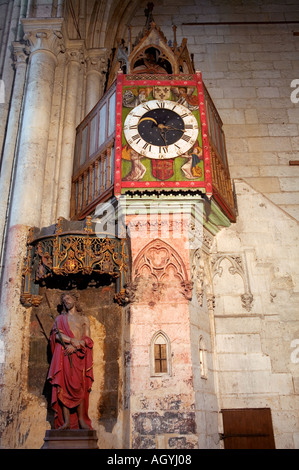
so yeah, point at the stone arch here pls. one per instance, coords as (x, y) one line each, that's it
(160, 265)
(112, 17)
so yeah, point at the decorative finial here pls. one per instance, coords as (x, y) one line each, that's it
(174, 28)
(149, 15)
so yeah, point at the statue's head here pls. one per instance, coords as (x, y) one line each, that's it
(69, 300)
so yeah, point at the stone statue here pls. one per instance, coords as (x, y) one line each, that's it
(71, 369)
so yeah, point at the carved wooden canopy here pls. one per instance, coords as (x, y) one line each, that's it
(151, 53)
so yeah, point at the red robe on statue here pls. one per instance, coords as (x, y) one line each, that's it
(71, 380)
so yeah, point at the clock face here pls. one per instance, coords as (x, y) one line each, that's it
(161, 129)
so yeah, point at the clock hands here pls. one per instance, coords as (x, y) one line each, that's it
(148, 119)
(162, 132)
(156, 125)
(169, 128)
(161, 127)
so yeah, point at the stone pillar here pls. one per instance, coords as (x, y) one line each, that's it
(11, 135)
(11, 16)
(69, 134)
(162, 400)
(45, 41)
(96, 65)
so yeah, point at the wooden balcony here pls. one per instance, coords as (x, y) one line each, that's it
(221, 182)
(93, 174)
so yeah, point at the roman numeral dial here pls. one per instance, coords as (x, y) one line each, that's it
(161, 129)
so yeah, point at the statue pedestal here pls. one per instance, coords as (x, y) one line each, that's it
(70, 439)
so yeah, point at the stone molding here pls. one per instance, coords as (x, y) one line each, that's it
(96, 60)
(75, 55)
(20, 54)
(44, 35)
(75, 51)
(202, 278)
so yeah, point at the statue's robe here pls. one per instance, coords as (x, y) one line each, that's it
(71, 380)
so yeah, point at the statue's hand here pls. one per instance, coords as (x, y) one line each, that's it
(76, 343)
(69, 350)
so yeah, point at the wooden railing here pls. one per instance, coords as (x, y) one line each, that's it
(93, 174)
(221, 182)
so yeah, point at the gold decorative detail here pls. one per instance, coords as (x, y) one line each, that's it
(68, 253)
(160, 77)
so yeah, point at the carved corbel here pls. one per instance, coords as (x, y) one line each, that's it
(247, 300)
(187, 289)
(128, 295)
(20, 54)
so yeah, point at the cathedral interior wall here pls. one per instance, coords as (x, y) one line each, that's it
(252, 331)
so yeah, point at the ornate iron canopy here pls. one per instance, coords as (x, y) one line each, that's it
(72, 250)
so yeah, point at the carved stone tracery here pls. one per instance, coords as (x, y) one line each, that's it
(238, 266)
(161, 265)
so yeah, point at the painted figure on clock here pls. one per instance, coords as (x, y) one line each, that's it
(164, 133)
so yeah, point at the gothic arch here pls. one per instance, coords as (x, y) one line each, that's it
(158, 261)
(112, 17)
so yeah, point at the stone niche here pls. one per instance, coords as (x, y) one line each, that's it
(71, 257)
(106, 330)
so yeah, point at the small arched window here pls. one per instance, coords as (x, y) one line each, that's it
(203, 359)
(160, 354)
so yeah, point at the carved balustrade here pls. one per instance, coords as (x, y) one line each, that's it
(93, 173)
(221, 182)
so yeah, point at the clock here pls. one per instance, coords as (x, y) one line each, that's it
(161, 129)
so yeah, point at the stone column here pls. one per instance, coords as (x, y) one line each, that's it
(45, 41)
(69, 133)
(7, 73)
(95, 81)
(20, 57)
